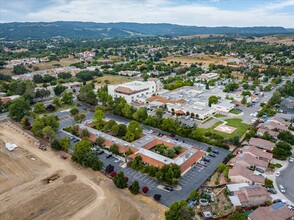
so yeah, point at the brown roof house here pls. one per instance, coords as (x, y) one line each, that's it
(278, 211)
(261, 131)
(257, 153)
(251, 196)
(261, 143)
(240, 174)
(248, 161)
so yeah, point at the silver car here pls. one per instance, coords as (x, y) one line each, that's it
(282, 189)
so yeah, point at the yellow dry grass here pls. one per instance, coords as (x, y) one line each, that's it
(204, 59)
(113, 80)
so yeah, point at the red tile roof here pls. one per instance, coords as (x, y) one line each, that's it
(261, 143)
(276, 211)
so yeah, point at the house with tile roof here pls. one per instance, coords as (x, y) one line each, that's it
(248, 161)
(239, 174)
(262, 144)
(277, 211)
(257, 153)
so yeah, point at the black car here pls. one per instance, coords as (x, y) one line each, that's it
(272, 190)
(108, 156)
(215, 151)
(206, 159)
(168, 188)
(101, 152)
(159, 134)
(277, 201)
(212, 155)
(259, 170)
(172, 135)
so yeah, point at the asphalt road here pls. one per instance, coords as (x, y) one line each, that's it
(287, 180)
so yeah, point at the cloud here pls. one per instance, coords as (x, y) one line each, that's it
(189, 12)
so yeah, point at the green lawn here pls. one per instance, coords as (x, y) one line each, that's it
(218, 115)
(207, 120)
(234, 122)
(235, 111)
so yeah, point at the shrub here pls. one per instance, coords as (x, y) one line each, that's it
(145, 189)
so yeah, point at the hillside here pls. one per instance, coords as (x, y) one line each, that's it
(71, 29)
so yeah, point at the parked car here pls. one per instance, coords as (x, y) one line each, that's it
(282, 189)
(272, 190)
(277, 201)
(291, 159)
(215, 151)
(172, 135)
(211, 155)
(206, 159)
(168, 188)
(203, 163)
(278, 174)
(116, 160)
(259, 170)
(108, 156)
(101, 152)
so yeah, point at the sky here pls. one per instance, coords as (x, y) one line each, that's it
(237, 13)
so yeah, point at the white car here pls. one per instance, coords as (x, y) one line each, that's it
(291, 159)
(278, 174)
(282, 189)
(116, 160)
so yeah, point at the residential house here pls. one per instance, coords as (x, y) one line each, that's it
(280, 121)
(260, 132)
(261, 143)
(271, 125)
(248, 161)
(257, 153)
(239, 174)
(249, 195)
(278, 211)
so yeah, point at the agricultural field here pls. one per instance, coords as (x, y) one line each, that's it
(273, 39)
(37, 184)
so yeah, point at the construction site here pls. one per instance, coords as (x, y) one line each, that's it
(37, 184)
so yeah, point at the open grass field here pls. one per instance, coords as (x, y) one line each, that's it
(235, 111)
(62, 62)
(237, 123)
(204, 59)
(36, 184)
(112, 80)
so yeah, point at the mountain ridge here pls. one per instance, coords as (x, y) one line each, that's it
(77, 29)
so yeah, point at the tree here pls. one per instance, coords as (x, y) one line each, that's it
(140, 115)
(120, 180)
(48, 133)
(74, 111)
(59, 89)
(39, 107)
(207, 86)
(25, 122)
(194, 195)
(221, 167)
(87, 94)
(126, 111)
(56, 101)
(19, 69)
(212, 100)
(61, 144)
(85, 133)
(235, 141)
(169, 125)
(81, 149)
(179, 210)
(67, 98)
(286, 136)
(134, 131)
(18, 109)
(114, 149)
(145, 189)
(244, 101)
(282, 150)
(100, 141)
(159, 113)
(237, 216)
(135, 187)
(98, 116)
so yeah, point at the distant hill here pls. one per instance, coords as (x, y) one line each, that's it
(73, 29)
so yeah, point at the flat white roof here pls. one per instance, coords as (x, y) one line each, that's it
(236, 187)
(235, 200)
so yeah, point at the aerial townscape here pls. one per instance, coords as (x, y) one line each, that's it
(130, 110)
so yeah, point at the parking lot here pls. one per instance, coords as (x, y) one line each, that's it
(191, 180)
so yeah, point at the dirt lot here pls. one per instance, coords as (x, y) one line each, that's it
(204, 59)
(113, 80)
(37, 184)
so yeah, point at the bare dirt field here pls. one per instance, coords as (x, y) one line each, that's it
(204, 59)
(37, 184)
(61, 62)
(112, 80)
